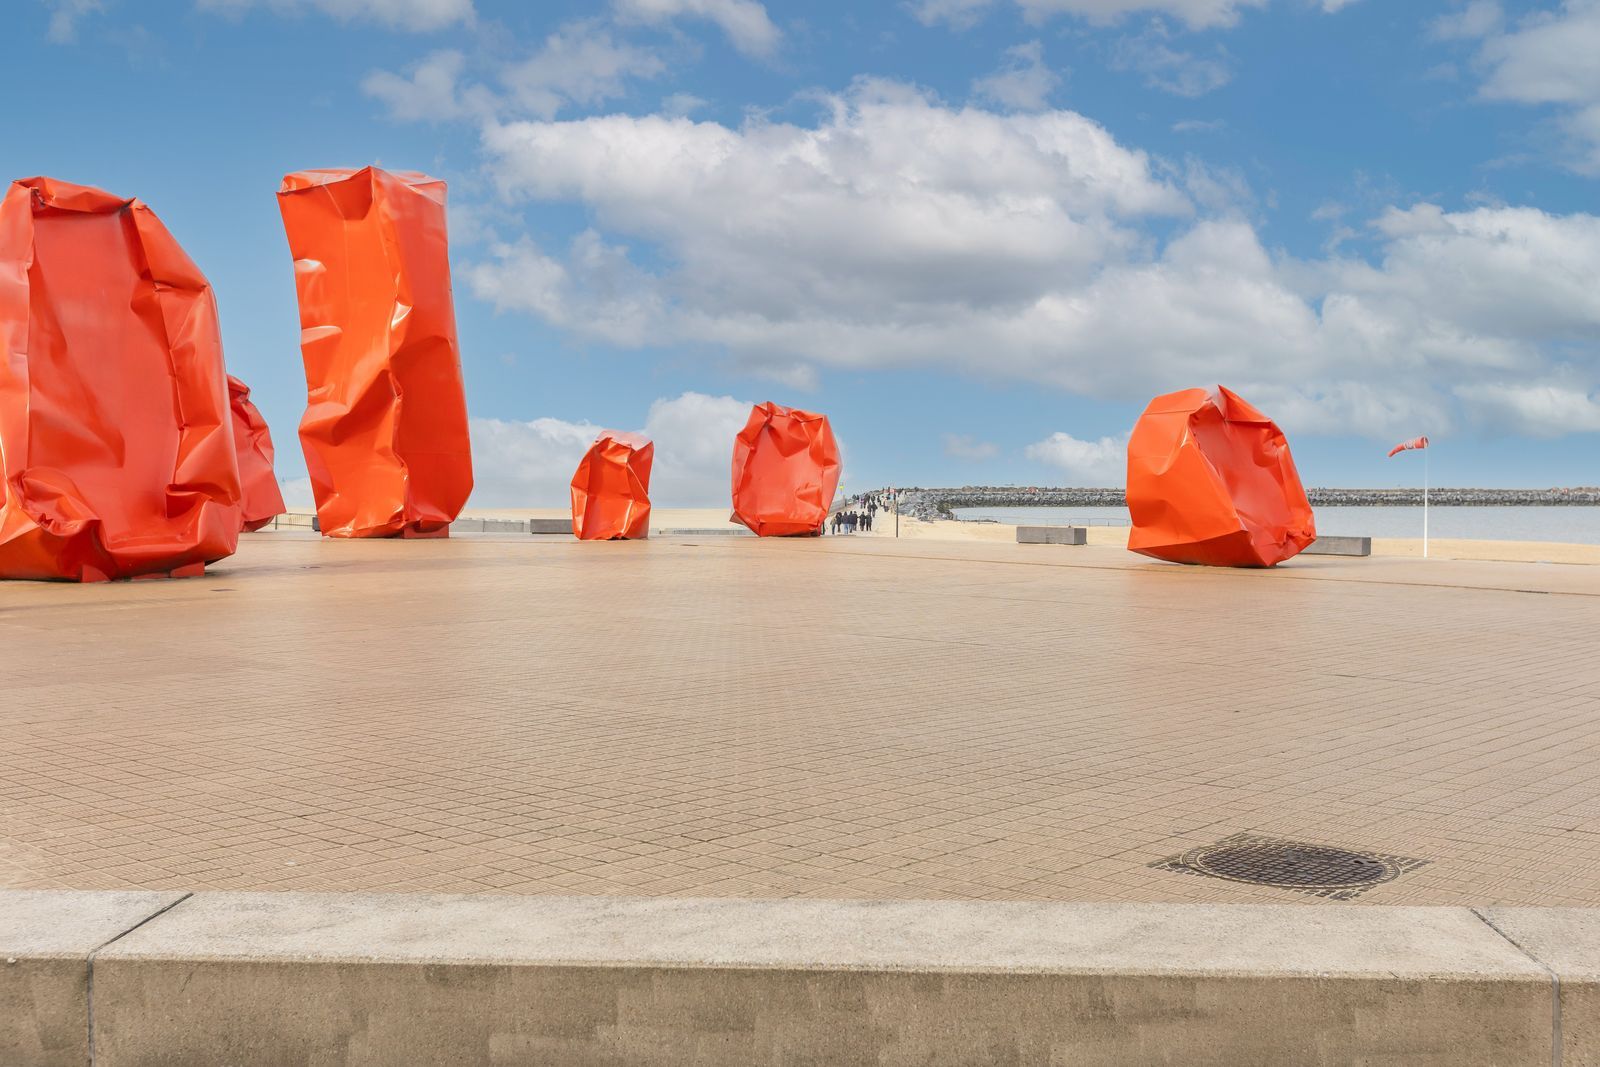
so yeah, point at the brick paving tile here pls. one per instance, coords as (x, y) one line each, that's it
(808, 718)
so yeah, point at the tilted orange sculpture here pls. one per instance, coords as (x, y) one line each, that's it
(611, 488)
(785, 471)
(252, 442)
(1211, 480)
(114, 437)
(385, 428)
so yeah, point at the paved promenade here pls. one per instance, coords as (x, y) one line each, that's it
(829, 718)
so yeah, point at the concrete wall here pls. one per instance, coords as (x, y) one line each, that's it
(351, 979)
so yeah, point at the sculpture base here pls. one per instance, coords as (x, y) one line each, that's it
(192, 570)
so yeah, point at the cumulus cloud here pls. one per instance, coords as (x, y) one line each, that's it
(1022, 82)
(530, 464)
(965, 446)
(897, 231)
(1547, 58)
(1537, 409)
(417, 16)
(745, 22)
(1085, 463)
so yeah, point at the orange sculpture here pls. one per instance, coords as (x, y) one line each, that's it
(114, 437)
(385, 428)
(260, 500)
(1211, 480)
(785, 471)
(611, 489)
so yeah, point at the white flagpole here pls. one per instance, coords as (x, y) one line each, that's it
(1425, 503)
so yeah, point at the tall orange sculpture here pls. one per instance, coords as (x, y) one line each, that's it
(785, 471)
(114, 438)
(252, 442)
(385, 428)
(1211, 480)
(611, 488)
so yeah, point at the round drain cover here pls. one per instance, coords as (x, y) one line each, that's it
(1291, 865)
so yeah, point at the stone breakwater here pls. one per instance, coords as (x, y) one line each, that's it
(931, 504)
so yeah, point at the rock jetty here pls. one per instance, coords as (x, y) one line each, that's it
(930, 504)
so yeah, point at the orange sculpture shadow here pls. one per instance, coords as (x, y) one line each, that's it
(785, 471)
(611, 488)
(261, 500)
(385, 428)
(114, 433)
(1211, 481)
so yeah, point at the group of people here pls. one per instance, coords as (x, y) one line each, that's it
(858, 515)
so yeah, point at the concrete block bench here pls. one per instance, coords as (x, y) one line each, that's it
(1052, 535)
(1340, 546)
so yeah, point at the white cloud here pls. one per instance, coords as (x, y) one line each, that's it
(1022, 82)
(1169, 69)
(897, 231)
(965, 446)
(1537, 409)
(1478, 18)
(65, 16)
(430, 92)
(578, 64)
(1548, 58)
(417, 16)
(530, 464)
(1196, 14)
(959, 13)
(581, 63)
(745, 22)
(1085, 463)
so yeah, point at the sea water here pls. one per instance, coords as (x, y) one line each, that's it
(1573, 525)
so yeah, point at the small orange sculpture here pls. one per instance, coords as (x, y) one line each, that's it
(261, 500)
(611, 489)
(785, 471)
(385, 428)
(114, 438)
(1211, 480)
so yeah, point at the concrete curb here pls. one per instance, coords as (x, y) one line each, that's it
(280, 978)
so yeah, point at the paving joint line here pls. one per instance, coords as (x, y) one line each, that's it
(1555, 985)
(89, 992)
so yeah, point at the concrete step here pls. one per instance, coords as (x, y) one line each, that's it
(277, 978)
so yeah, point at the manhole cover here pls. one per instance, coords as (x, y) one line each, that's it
(1321, 870)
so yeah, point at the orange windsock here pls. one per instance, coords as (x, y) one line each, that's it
(252, 442)
(385, 428)
(611, 488)
(1407, 446)
(1211, 480)
(785, 471)
(114, 425)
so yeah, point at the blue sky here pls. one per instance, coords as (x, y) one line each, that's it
(979, 235)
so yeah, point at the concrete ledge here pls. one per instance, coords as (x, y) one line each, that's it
(263, 978)
(1340, 546)
(1052, 535)
(549, 526)
(46, 941)
(1567, 941)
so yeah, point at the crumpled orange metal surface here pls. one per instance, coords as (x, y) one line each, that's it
(260, 499)
(385, 428)
(114, 437)
(1211, 480)
(785, 471)
(611, 488)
